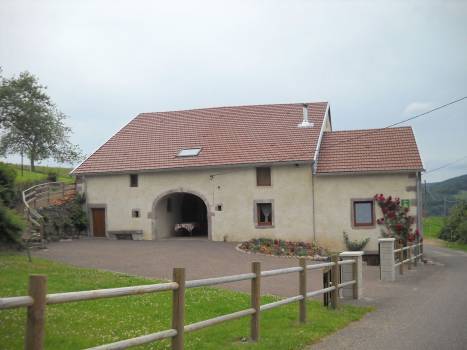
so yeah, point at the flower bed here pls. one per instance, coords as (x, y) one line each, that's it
(279, 247)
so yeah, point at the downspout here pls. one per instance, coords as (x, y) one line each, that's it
(313, 197)
(419, 203)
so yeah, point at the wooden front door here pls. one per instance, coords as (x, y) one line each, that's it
(98, 222)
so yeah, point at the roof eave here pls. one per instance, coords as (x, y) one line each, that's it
(194, 167)
(369, 172)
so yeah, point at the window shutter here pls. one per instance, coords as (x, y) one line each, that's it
(263, 176)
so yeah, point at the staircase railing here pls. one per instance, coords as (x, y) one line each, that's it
(40, 196)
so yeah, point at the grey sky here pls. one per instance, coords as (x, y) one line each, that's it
(376, 62)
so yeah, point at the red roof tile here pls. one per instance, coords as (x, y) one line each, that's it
(372, 150)
(226, 136)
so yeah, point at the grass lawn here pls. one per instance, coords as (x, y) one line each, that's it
(432, 227)
(90, 323)
(41, 174)
(456, 245)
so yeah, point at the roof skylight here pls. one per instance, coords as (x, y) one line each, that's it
(189, 152)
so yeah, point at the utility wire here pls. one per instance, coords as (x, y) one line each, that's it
(445, 165)
(371, 131)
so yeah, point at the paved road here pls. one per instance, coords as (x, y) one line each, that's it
(425, 309)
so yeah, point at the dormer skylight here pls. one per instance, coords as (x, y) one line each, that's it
(189, 152)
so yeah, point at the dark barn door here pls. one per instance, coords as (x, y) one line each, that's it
(98, 222)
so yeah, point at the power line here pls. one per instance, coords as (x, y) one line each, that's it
(402, 121)
(445, 165)
(371, 131)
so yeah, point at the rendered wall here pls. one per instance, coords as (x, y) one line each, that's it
(235, 189)
(333, 198)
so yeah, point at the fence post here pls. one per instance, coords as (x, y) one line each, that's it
(335, 281)
(302, 287)
(352, 272)
(386, 259)
(409, 256)
(415, 253)
(401, 258)
(421, 251)
(178, 308)
(255, 300)
(35, 323)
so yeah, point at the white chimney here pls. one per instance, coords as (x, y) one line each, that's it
(305, 123)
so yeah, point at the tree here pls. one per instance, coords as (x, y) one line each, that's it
(455, 227)
(7, 185)
(32, 125)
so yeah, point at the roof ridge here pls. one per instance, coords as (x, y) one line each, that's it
(241, 106)
(369, 129)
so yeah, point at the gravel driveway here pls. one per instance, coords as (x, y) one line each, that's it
(200, 257)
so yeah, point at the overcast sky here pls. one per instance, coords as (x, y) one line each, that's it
(376, 62)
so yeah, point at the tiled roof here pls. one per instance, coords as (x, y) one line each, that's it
(226, 136)
(372, 150)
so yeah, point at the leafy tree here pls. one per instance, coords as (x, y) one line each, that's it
(32, 125)
(455, 228)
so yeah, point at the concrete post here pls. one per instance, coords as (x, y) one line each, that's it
(352, 272)
(386, 259)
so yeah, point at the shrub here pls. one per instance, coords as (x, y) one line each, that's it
(355, 245)
(52, 177)
(7, 185)
(65, 220)
(11, 225)
(395, 221)
(455, 228)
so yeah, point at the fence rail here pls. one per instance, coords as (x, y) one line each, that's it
(391, 257)
(37, 301)
(41, 194)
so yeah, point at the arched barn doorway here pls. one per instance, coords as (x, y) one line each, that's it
(181, 214)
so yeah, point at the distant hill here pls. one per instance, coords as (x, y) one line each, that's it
(449, 191)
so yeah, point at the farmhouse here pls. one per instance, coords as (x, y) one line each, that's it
(236, 173)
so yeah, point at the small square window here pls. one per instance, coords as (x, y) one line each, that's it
(133, 180)
(135, 213)
(264, 214)
(363, 213)
(219, 207)
(263, 176)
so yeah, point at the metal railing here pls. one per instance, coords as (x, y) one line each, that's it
(413, 255)
(38, 300)
(42, 194)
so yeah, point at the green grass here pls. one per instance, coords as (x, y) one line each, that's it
(432, 226)
(457, 246)
(40, 174)
(90, 323)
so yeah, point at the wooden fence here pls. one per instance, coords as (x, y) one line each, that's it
(38, 300)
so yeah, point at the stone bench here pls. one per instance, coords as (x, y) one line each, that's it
(135, 235)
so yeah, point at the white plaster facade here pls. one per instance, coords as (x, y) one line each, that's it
(305, 207)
